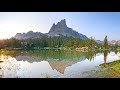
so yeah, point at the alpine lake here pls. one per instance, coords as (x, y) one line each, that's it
(58, 64)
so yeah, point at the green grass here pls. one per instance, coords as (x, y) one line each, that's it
(113, 69)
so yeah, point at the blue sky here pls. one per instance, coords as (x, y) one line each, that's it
(95, 24)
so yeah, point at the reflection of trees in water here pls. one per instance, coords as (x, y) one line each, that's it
(116, 51)
(105, 57)
(90, 55)
(53, 54)
(58, 54)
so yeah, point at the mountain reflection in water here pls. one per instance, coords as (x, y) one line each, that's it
(34, 65)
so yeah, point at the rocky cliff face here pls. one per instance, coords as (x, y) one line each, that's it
(61, 29)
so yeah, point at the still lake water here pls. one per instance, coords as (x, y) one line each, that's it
(51, 63)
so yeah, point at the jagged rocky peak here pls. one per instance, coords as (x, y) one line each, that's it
(59, 26)
(61, 29)
(62, 23)
(53, 27)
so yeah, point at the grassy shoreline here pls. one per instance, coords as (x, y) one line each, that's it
(113, 68)
(108, 70)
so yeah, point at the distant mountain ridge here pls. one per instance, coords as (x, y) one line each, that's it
(56, 30)
(29, 34)
(114, 42)
(99, 41)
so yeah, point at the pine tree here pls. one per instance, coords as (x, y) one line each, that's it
(106, 43)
